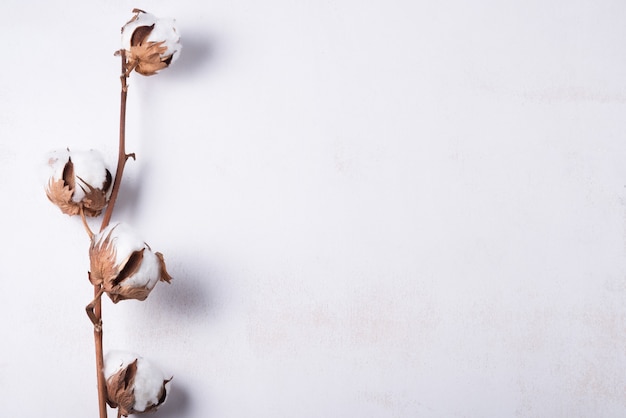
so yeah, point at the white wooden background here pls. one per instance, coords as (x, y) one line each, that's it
(370, 208)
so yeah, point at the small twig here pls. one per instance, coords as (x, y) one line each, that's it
(85, 224)
(91, 308)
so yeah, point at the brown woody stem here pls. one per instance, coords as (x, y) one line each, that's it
(94, 309)
(121, 156)
(97, 335)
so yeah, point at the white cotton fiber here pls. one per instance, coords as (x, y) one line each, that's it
(89, 169)
(124, 238)
(55, 163)
(165, 31)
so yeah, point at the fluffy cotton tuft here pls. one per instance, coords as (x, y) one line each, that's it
(133, 383)
(55, 163)
(90, 169)
(125, 239)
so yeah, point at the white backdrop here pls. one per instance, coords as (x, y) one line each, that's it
(369, 208)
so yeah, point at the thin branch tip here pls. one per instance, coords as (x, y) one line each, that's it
(85, 224)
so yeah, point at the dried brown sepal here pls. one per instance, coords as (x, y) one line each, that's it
(120, 387)
(136, 11)
(68, 174)
(95, 199)
(140, 34)
(165, 277)
(146, 58)
(128, 292)
(102, 261)
(131, 265)
(61, 194)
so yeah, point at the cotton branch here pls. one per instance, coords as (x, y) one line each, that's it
(94, 309)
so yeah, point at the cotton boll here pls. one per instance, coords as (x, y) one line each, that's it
(134, 385)
(128, 242)
(150, 44)
(124, 265)
(78, 180)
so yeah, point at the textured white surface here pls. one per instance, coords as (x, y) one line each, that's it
(369, 209)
